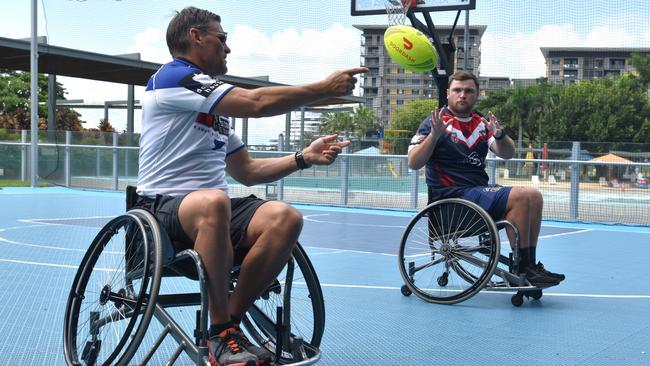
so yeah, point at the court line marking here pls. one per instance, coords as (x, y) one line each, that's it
(370, 287)
(309, 218)
(559, 294)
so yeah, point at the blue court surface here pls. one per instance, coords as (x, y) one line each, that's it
(599, 316)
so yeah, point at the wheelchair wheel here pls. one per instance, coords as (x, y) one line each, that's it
(112, 298)
(449, 251)
(297, 300)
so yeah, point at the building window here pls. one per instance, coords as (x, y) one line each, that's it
(570, 63)
(617, 63)
(555, 61)
(555, 72)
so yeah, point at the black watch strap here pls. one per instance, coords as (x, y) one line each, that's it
(501, 136)
(300, 160)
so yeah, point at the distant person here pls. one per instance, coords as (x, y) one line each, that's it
(186, 149)
(453, 143)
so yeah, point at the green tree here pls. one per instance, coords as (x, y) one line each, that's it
(337, 122)
(641, 63)
(15, 103)
(412, 114)
(365, 122)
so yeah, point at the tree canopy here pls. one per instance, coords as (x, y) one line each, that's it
(15, 103)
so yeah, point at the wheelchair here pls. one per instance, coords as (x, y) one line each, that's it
(451, 250)
(117, 291)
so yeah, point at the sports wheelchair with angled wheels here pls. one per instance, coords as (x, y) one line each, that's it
(451, 250)
(117, 290)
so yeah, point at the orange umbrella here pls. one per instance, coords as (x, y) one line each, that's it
(611, 158)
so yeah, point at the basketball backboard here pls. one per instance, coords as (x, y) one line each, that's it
(370, 7)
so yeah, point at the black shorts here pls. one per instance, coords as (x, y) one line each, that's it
(165, 209)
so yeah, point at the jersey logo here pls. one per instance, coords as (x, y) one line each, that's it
(200, 84)
(217, 144)
(219, 124)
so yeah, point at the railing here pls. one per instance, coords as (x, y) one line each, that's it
(573, 189)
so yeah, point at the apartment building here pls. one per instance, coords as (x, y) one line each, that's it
(566, 65)
(387, 86)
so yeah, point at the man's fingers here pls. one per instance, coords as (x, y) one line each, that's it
(356, 70)
(344, 143)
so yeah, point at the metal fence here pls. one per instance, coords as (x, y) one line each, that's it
(574, 188)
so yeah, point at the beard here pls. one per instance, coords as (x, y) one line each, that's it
(461, 108)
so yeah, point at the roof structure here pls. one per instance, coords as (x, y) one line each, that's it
(55, 60)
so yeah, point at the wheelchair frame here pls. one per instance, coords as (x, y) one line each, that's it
(461, 238)
(122, 299)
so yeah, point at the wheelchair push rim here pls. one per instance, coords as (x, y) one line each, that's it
(448, 252)
(111, 300)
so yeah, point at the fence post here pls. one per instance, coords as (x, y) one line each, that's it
(68, 153)
(115, 156)
(280, 190)
(492, 167)
(414, 187)
(23, 155)
(575, 181)
(344, 174)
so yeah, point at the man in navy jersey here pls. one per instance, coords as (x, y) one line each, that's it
(452, 143)
(186, 149)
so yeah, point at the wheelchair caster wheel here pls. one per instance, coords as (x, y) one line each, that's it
(537, 294)
(405, 290)
(517, 299)
(443, 280)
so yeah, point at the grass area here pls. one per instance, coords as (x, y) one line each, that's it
(18, 183)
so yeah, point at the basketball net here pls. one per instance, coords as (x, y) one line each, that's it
(397, 9)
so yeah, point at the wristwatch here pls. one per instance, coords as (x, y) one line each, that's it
(300, 161)
(502, 135)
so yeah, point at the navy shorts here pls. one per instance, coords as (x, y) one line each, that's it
(165, 209)
(492, 198)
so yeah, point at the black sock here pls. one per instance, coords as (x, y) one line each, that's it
(533, 253)
(215, 329)
(525, 258)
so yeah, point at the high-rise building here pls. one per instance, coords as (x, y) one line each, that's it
(566, 65)
(387, 86)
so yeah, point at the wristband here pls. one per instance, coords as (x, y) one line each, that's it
(501, 136)
(300, 160)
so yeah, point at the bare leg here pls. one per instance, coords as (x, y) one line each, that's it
(271, 236)
(205, 218)
(518, 211)
(536, 207)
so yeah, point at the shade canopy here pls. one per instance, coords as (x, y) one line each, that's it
(611, 158)
(15, 55)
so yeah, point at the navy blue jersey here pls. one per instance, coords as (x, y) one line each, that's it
(458, 160)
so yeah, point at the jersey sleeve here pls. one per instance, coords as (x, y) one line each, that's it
(188, 91)
(234, 143)
(423, 132)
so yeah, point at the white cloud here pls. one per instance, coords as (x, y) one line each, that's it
(518, 55)
(291, 56)
(151, 45)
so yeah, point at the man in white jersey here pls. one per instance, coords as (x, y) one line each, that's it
(186, 149)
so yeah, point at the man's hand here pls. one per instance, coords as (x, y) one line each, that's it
(438, 127)
(493, 125)
(343, 82)
(324, 150)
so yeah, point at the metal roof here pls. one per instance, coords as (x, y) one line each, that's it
(55, 60)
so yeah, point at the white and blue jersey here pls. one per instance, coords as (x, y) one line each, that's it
(183, 145)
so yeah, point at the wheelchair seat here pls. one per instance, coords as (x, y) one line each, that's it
(451, 250)
(116, 293)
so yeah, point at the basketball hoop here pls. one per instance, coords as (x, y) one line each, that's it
(397, 10)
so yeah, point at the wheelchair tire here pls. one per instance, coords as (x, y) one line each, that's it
(453, 239)
(302, 308)
(112, 298)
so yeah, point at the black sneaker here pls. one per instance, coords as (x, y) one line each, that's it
(539, 278)
(226, 349)
(262, 354)
(559, 276)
